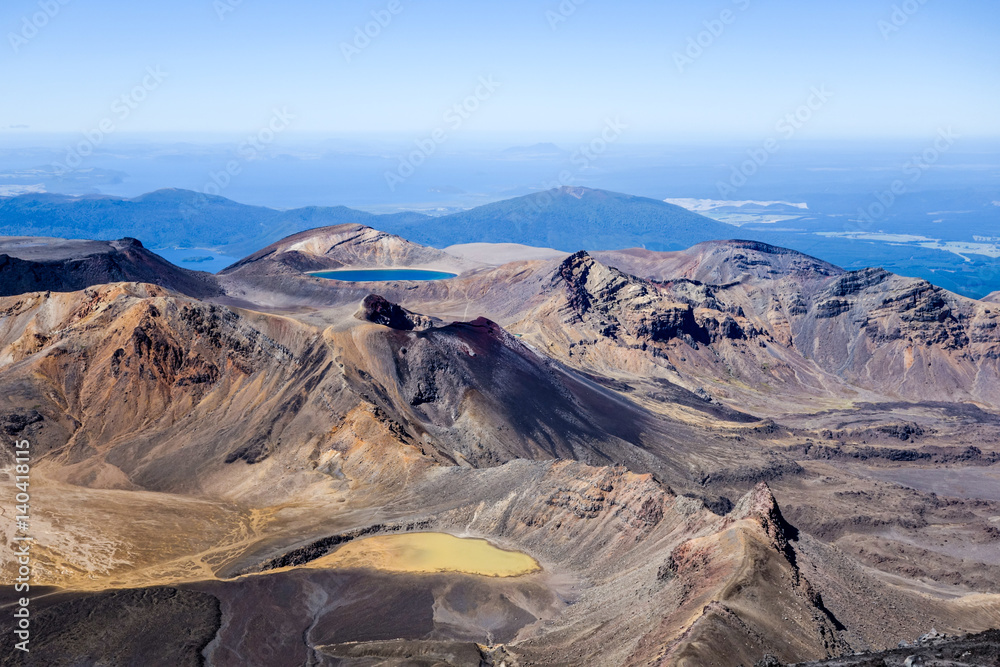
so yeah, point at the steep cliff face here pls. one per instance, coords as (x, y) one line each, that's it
(901, 336)
(791, 327)
(668, 333)
(642, 311)
(744, 594)
(378, 310)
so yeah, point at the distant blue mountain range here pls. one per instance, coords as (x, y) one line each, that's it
(568, 218)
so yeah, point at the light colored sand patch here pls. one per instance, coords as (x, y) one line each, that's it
(429, 552)
(496, 254)
(959, 248)
(15, 190)
(702, 205)
(877, 236)
(962, 249)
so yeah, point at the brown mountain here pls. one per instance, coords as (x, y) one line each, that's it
(770, 324)
(714, 456)
(281, 273)
(341, 246)
(900, 337)
(168, 375)
(719, 262)
(30, 264)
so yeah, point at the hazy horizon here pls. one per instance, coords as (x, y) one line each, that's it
(687, 71)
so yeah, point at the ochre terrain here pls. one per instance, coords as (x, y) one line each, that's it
(713, 456)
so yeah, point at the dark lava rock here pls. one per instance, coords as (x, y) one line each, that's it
(14, 423)
(146, 626)
(379, 310)
(980, 650)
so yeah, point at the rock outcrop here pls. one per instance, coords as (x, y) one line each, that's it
(378, 310)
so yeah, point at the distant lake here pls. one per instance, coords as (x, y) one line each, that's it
(381, 275)
(196, 259)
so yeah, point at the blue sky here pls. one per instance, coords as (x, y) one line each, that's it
(941, 67)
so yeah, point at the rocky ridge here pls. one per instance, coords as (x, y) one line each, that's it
(31, 264)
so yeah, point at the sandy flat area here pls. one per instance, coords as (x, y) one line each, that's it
(501, 253)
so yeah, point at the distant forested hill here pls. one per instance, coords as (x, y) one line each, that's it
(571, 219)
(173, 218)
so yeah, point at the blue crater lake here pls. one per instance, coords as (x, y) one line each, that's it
(382, 275)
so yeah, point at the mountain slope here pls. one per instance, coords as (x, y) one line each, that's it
(718, 262)
(742, 320)
(29, 264)
(782, 324)
(192, 459)
(167, 375)
(342, 246)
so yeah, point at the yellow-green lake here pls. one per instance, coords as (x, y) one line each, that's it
(429, 552)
